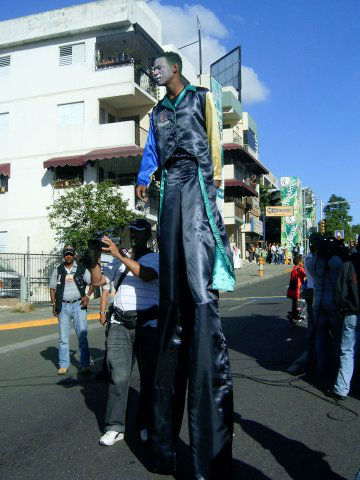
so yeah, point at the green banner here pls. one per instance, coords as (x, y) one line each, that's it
(291, 227)
(216, 90)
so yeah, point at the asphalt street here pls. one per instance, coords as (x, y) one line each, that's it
(285, 426)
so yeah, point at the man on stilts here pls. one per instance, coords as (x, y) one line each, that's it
(195, 262)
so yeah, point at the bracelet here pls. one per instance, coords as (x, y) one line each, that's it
(102, 313)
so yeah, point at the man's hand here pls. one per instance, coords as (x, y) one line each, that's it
(141, 192)
(111, 247)
(217, 183)
(84, 301)
(102, 318)
(54, 311)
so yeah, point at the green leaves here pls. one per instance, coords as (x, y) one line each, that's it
(337, 217)
(79, 212)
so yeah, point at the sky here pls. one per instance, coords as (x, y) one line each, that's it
(300, 72)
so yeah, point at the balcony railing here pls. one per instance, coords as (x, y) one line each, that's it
(140, 136)
(145, 81)
(122, 60)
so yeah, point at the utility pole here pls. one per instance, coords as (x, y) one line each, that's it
(200, 50)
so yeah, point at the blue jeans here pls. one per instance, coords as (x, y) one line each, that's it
(78, 315)
(349, 347)
(327, 321)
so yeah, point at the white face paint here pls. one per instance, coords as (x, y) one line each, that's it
(162, 72)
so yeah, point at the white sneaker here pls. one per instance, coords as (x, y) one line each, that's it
(110, 437)
(144, 435)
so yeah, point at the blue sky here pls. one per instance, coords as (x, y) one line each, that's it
(302, 69)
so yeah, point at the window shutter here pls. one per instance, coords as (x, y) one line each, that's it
(4, 65)
(3, 242)
(4, 122)
(71, 114)
(72, 54)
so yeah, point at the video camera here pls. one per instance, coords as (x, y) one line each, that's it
(96, 243)
(327, 247)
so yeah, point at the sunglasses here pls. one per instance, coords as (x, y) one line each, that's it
(68, 254)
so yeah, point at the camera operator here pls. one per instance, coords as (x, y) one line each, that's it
(347, 297)
(132, 323)
(324, 268)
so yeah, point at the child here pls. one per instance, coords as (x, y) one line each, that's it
(297, 278)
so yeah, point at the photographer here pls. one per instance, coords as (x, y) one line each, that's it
(132, 325)
(324, 268)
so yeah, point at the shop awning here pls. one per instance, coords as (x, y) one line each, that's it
(5, 169)
(239, 189)
(130, 151)
(240, 153)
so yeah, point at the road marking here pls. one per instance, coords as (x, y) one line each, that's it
(43, 339)
(256, 298)
(40, 323)
(242, 305)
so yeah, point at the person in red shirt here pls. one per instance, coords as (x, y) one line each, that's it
(297, 278)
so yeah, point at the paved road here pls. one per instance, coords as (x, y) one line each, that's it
(50, 426)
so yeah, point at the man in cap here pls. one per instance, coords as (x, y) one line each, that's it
(69, 301)
(132, 322)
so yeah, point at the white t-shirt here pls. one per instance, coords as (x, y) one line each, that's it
(134, 293)
(273, 249)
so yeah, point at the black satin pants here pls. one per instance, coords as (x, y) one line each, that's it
(192, 349)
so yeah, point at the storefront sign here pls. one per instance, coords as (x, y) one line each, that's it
(280, 211)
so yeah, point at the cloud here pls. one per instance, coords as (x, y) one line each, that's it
(254, 90)
(180, 28)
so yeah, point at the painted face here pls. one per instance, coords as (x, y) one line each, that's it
(162, 71)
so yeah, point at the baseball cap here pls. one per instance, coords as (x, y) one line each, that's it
(140, 224)
(68, 249)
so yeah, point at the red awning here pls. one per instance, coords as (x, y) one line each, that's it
(246, 158)
(242, 188)
(5, 169)
(100, 154)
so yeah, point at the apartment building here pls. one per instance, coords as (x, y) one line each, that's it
(75, 97)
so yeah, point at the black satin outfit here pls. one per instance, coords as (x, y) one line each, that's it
(192, 347)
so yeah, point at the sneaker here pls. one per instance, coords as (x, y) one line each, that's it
(62, 371)
(110, 437)
(144, 435)
(338, 396)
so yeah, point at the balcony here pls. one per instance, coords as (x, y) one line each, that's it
(231, 136)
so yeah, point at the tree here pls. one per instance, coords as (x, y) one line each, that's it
(267, 196)
(82, 211)
(337, 217)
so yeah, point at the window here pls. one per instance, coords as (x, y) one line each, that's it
(72, 54)
(3, 242)
(3, 183)
(250, 139)
(67, 176)
(70, 114)
(4, 65)
(102, 116)
(4, 122)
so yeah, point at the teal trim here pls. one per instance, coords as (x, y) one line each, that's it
(223, 271)
(166, 102)
(161, 199)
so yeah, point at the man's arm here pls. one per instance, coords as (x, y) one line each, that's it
(52, 298)
(149, 163)
(213, 134)
(341, 290)
(147, 274)
(103, 303)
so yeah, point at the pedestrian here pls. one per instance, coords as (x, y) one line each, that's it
(296, 250)
(195, 261)
(132, 326)
(280, 252)
(273, 253)
(347, 297)
(297, 278)
(236, 257)
(324, 267)
(69, 302)
(308, 294)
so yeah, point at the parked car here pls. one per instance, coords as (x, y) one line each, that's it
(9, 281)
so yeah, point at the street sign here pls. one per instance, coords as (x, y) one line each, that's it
(339, 234)
(280, 211)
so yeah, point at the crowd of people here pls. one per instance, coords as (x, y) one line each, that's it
(327, 279)
(272, 253)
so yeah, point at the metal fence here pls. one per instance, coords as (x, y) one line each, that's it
(26, 276)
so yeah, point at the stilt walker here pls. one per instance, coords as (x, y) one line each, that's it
(195, 262)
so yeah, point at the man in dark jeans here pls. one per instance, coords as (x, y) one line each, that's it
(135, 304)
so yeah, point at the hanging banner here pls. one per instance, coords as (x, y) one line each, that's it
(280, 211)
(292, 225)
(216, 90)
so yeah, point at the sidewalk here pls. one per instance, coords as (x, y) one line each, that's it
(247, 275)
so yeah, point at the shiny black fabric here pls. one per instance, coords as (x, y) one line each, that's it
(184, 128)
(192, 346)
